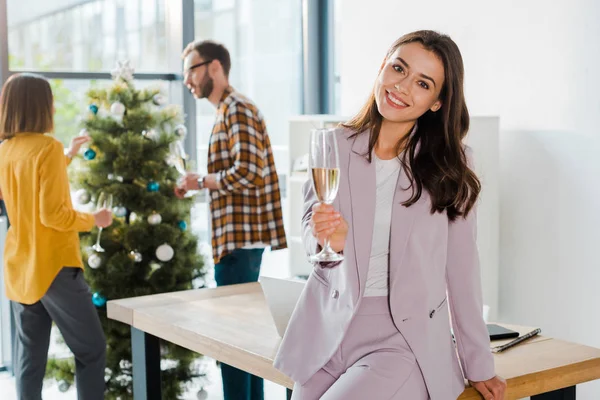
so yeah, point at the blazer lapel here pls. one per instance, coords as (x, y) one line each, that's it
(403, 281)
(363, 188)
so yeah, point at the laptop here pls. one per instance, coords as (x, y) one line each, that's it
(281, 296)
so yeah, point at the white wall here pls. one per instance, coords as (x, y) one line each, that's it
(533, 63)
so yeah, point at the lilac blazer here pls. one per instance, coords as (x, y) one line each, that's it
(433, 264)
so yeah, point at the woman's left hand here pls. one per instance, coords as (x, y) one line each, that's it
(76, 144)
(492, 389)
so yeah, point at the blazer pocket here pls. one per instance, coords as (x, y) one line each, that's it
(318, 274)
(438, 308)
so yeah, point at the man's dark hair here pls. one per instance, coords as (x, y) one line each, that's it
(210, 50)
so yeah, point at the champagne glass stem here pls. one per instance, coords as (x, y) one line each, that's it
(327, 246)
(99, 235)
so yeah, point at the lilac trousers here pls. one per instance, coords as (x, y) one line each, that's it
(373, 362)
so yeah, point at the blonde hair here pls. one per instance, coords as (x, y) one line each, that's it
(26, 105)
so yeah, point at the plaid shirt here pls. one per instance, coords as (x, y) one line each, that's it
(246, 209)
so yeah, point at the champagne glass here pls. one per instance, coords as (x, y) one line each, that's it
(105, 200)
(177, 158)
(324, 165)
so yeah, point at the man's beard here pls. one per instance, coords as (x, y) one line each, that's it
(206, 86)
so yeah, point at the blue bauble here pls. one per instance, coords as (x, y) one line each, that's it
(89, 154)
(98, 300)
(182, 225)
(94, 108)
(153, 186)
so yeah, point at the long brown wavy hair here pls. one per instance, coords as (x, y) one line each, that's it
(440, 164)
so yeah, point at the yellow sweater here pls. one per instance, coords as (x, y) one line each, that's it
(43, 236)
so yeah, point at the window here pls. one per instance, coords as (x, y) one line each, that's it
(337, 56)
(75, 44)
(83, 35)
(265, 43)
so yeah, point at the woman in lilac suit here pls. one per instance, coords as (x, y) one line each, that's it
(377, 325)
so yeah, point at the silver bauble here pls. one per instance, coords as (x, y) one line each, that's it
(120, 211)
(63, 386)
(117, 109)
(135, 256)
(181, 131)
(94, 261)
(159, 99)
(113, 177)
(154, 218)
(151, 134)
(165, 253)
(83, 196)
(202, 394)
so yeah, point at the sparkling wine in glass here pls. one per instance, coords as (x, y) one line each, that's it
(104, 201)
(177, 158)
(324, 167)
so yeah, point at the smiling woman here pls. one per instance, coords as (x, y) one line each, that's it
(420, 83)
(407, 197)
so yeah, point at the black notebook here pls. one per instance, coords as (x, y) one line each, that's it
(498, 332)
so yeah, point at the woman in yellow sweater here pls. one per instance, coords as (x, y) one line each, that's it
(42, 260)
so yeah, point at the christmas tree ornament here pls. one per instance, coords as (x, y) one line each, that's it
(94, 261)
(154, 266)
(151, 134)
(89, 154)
(122, 71)
(135, 256)
(120, 211)
(98, 300)
(181, 131)
(133, 217)
(202, 394)
(165, 253)
(159, 99)
(94, 108)
(182, 225)
(154, 218)
(84, 132)
(113, 177)
(117, 109)
(63, 386)
(153, 186)
(82, 196)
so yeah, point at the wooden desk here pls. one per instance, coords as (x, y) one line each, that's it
(232, 324)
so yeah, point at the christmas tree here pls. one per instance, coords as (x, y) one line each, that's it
(136, 155)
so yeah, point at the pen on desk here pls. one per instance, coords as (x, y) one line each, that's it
(499, 349)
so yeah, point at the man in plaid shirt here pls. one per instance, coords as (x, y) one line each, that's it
(245, 202)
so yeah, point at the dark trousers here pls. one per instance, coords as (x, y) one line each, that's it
(68, 302)
(239, 266)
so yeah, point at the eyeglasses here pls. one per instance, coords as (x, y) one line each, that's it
(196, 66)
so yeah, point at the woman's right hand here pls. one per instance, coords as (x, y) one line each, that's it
(103, 218)
(326, 223)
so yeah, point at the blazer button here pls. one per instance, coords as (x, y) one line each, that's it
(335, 294)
